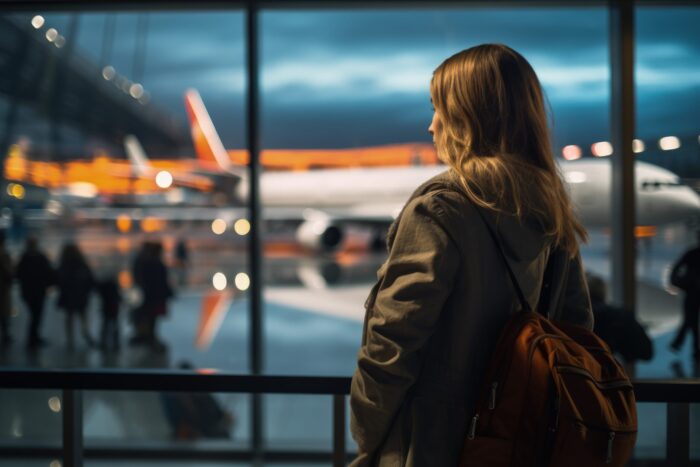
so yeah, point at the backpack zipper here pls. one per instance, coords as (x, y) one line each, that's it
(614, 384)
(492, 399)
(531, 351)
(611, 438)
(472, 427)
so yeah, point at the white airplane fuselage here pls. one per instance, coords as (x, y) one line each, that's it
(660, 198)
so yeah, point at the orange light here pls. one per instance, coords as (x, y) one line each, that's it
(645, 231)
(123, 223)
(125, 279)
(152, 224)
(123, 245)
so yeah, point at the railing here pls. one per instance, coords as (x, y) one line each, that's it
(677, 394)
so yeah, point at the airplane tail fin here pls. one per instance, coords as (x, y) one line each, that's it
(206, 140)
(136, 154)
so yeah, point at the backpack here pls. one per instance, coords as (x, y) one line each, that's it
(552, 395)
(683, 277)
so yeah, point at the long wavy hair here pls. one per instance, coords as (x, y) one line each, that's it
(493, 133)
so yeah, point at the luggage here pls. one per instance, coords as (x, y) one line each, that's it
(553, 395)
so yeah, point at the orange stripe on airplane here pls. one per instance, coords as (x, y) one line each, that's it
(215, 306)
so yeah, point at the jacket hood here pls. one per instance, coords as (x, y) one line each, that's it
(524, 242)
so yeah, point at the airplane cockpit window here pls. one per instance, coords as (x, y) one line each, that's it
(655, 185)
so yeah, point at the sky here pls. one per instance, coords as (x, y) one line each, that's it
(348, 78)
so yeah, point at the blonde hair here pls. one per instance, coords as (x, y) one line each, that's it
(494, 136)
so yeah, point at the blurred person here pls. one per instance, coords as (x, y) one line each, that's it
(686, 276)
(182, 260)
(75, 284)
(138, 317)
(445, 293)
(6, 276)
(35, 275)
(616, 326)
(110, 303)
(156, 291)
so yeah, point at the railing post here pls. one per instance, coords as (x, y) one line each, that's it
(339, 430)
(678, 434)
(72, 408)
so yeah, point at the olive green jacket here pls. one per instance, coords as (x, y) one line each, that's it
(433, 319)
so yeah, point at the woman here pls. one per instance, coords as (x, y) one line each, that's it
(75, 283)
(444, 294)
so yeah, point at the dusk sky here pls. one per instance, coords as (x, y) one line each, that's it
(354, 78)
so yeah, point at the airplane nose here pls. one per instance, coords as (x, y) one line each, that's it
(687, 202)
(668, 205)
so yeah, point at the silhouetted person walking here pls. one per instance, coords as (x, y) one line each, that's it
(182, 260)
(686, 276)
(138, 315)
(110, 298)
(75, 282)
(156, 290)
(35, 275)
(6, 274)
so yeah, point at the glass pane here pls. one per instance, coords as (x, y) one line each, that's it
(346, 110)
(30, 417)
(345, 113)
(667, 68)
(651, 437)
(102, 149)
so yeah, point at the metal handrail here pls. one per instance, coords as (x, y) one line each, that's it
(171, 381)
(677, 394)
(646, 390)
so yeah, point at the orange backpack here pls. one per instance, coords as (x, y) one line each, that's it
(553, 395)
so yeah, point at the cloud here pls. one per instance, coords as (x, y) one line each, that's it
(323, 72)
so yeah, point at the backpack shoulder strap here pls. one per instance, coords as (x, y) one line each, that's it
(521, 296)
(553, 284)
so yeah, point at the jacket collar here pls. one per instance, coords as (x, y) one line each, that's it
(442, 181)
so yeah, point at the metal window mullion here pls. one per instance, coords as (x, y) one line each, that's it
(255, 252)
(622, 220)
(339, 449)
(72, 409)
(678, 434)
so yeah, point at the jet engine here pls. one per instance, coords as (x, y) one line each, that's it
(319, 235)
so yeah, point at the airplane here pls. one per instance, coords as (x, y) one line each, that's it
(324, 201)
